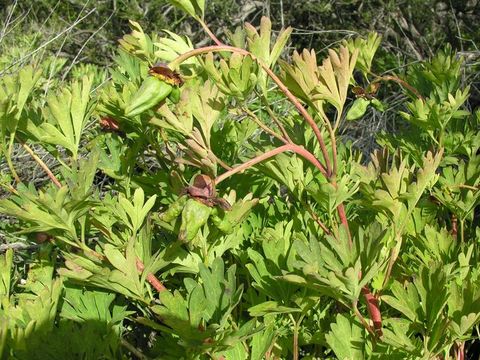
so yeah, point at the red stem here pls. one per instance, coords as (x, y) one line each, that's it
(150, 277)
(288, 147)
(209, 32)
(373, 310)
(460, 351)
(327, 170)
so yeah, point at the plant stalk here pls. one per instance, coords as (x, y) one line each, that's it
(288, 147)
(208, 31)
(44, 166)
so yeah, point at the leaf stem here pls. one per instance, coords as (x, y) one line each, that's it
(315, 216)
(364, 322)
(263, 126)
(275, 119)
(44, 166)
(287, 147)
(295, 337)
(208, 31)
(152, 279)
(11, 167)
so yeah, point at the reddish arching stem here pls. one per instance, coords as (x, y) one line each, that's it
(328, 171)
(152, 279)
(209, 32)
(288, 147)
(399, 81)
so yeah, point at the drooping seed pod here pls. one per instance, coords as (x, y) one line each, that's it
(174, 210)
(151, 92)
(161, 82)
(194, 216)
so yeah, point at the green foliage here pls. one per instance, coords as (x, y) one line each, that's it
(220, 215)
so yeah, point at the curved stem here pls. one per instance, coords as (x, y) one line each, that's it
(328, 170)
(209, 32)
(263, 126)
(11, 167)
(288, 147)
(315, 217)
(360, 317)
(398, 81)
(308, 118)
(44, 166)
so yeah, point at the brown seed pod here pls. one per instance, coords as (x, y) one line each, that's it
(203, 190)
(109, 124)
(164, 73)
(368, 93)
(42, 237)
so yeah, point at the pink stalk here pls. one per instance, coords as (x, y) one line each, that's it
(288, 147)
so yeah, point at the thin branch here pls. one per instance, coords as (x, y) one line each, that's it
(315, 216)
(42, 165)
(48, 42)
(73, 62)
(263, 126)
(288, 147)
(209, 32)
(221, 162)
(138, 354)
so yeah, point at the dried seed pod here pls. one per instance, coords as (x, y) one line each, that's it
(163, 72)
(109, 124)
(42, 237)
